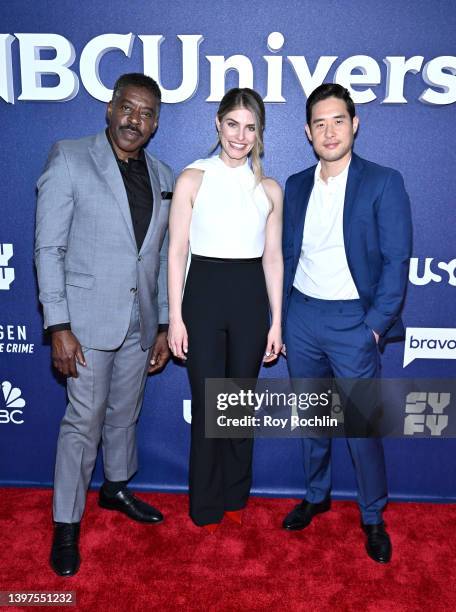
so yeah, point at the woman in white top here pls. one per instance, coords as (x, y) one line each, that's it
(229, 320)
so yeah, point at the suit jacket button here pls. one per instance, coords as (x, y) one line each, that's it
(133, 289)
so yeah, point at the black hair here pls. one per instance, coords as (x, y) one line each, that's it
(329, 90)
(136, 79)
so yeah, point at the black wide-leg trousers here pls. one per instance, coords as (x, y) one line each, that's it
(226, 312)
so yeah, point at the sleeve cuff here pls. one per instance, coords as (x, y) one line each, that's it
(378, 322)
(58, 327)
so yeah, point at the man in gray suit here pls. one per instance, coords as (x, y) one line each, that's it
(101, 257)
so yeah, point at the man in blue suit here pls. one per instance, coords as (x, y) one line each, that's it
(347, 243)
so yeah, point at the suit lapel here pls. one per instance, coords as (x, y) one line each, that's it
(107, 165)
(303, 202)
(152, 167)
(355, 172)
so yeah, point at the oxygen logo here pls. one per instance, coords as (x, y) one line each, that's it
(425, 413)
(423, 274)
(6, 273)
(12, 402)
(14, 339)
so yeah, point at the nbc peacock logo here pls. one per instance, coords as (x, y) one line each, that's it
(13, 402)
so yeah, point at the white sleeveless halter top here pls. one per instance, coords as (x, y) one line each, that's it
(229, 213)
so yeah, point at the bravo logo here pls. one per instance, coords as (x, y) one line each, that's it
(429, 343)
(432, 273)
(12, 402)
(419, 419)
(6, 274)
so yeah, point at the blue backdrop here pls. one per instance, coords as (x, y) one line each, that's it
(406, 88)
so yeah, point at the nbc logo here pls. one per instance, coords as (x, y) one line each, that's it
(12, 402)
(6, 274)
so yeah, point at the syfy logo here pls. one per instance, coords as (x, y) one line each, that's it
(12, 402)
(358, 73)
(429, 343)
(428, 275)
(419, 419)
(6, 274)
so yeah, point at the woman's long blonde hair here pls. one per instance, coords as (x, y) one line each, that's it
(249, 99)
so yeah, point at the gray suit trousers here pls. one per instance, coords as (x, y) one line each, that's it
(103, 403)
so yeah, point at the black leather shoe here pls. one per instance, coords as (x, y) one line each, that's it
(124, 501)
(301, 516)
(378, 544)
(65, 559)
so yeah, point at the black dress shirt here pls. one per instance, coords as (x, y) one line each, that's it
(141, 201)
(139, 192)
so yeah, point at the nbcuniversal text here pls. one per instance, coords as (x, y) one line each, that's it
(243, 408)
(360, 73)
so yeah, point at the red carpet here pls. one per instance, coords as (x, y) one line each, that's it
(177, 566)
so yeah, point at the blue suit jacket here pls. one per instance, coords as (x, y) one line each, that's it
(377, 236)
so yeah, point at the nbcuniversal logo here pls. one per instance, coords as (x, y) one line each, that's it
(429, 343)
(12, 402)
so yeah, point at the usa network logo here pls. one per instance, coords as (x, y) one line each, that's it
(12, 402)
(428, 272)
(6, 273)
(429, 343)
(425, 413)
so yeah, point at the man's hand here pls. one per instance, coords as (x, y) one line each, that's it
(160, 353)
(66, 350)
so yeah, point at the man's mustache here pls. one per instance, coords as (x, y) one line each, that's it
(131, 127)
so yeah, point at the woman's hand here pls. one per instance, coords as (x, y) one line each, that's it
(274, 345)
(178, 339)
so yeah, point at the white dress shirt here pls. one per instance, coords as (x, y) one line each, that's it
(323, 270)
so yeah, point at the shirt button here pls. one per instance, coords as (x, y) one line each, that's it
(139, 257)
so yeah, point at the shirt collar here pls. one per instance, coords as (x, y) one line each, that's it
(340, 180)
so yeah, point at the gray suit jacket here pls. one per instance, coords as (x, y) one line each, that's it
(88, 265)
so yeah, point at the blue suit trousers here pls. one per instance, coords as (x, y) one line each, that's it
(327, 338)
